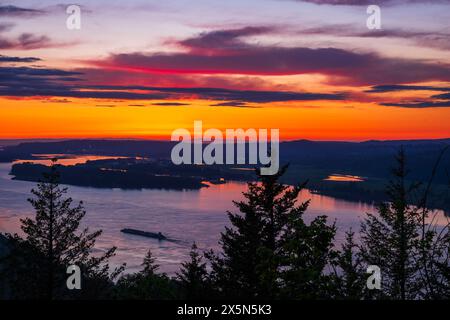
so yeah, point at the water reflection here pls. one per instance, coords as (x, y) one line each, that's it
(198, 215)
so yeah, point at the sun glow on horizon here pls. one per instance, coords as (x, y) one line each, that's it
(25, 118)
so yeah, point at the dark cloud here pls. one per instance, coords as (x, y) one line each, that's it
(109, 76)
(170, 104)
(28, 82)
(105, 105)
(399, 87)
(14, 11)
(224, 41)
(236, 104)
(53, 100)
(421, 104)
(76, 92)
(444, 96)
(435, 101)
(250, 60)
(18, 59)
(223, 52)
(254, 96)
(12, 74)
(31, 41)
(26, 41)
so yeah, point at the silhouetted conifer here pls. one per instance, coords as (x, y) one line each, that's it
(391, 238)
(269, 247)
(349, 274)
(194, 277)
(149, 264)
(147, 284)
(52, 243)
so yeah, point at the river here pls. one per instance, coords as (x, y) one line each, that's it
(191, 215)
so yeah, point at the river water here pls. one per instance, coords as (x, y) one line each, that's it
(191, 215)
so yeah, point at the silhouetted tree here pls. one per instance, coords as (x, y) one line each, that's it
(435, 263)
(434, 244)
(308, 251)
(149, 264)
(147, 284)
(52, 242)
(391, 239)
(349, 274)
(194, 277)
(269, 246)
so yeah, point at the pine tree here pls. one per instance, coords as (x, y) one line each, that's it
(260, 246)
(193, 276)
(149, 264)
(247, 267)
(146, 284)
(308, 250)
(434, 245)
(436, 263)
(349, 277)
(52, 243)
(391, 239)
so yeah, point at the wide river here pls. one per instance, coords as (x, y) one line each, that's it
(188, 216)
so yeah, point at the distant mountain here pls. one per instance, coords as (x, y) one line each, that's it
(369, 158)
(14, 142)
(97, 147)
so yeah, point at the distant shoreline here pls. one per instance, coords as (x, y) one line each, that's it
(16, 141)
(308, 160)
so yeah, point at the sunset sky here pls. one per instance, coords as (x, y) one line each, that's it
(141, 69)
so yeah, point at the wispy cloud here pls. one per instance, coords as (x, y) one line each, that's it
(18, 59)
(15, 11)
(5, 26)
(434, 39)
(27, 41)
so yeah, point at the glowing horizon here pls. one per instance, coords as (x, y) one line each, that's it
(168, 64)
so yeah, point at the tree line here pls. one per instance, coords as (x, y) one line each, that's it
(268, 252)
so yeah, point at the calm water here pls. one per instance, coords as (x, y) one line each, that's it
(189, 216)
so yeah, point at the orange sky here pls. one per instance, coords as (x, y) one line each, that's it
(331, 121)
(135, 70)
